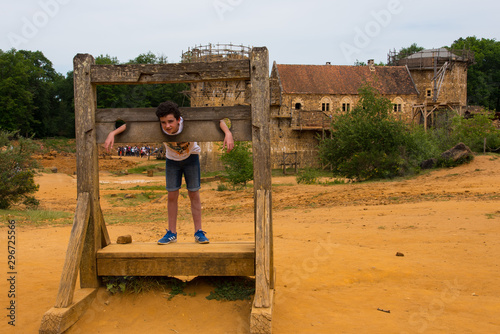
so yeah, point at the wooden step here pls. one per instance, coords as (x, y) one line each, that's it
(178, 259)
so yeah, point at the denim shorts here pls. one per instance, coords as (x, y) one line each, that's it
(190, 167)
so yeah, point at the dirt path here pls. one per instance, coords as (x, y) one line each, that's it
(335, 256)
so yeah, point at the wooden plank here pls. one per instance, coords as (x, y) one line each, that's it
(87, 163)
(259, 63)
(261, 144)
(104, 230)
(201, 124)
(190, 259)
(57, 320)
(262, 250)
(170, 73)
(178, 250)
(261, 318)
(74, 252)
(199, 131)
(189, 114)
(150, 259)
(194, 266)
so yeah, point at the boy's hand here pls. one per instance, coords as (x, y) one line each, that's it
(228, 142)
(110, 141)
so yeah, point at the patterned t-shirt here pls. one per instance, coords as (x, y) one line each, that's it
(182, 150)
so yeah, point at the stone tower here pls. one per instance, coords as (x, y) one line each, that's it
(220, 93)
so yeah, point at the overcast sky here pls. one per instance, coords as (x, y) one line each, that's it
(295, 32)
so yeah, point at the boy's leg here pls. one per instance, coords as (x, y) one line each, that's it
(172, 207)
(194, 197)
(173, 175)
(193, 182)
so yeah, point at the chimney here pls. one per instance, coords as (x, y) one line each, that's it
(371, 64)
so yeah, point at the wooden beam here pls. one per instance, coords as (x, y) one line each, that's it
(74, 252)
(104, 230)
(261, 144)
(201, 124)
(189, 114)
(58, 320)
(170, 73)
(261, 318)
(87, 166)
(262, 250)
(180, 259)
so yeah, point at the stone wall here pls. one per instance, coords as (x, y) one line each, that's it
(454, 87)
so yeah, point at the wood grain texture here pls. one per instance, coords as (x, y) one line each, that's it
(186, 259)
(74, 252)
(87, 167)
(58, 320)
(170, 73)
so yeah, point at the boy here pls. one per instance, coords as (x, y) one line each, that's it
(182, 158)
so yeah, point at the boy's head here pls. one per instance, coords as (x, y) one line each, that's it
(169, 115)
(167, 108)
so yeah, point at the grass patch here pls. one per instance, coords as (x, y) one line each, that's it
(145, 168)
(136, 284)
(225, 287)
(132, 199)
(37, 217)
(231, 288)
(57, 144)
(148, 188)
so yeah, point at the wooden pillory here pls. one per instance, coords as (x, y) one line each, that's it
(90, 252)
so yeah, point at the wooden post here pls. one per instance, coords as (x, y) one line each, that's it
(87, 164)
(74, 252)
(261, 145)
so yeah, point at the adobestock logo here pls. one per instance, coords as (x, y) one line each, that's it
(31, 27)
(223, 6)
(363, 37)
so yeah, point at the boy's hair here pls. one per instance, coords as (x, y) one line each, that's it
(167, 108)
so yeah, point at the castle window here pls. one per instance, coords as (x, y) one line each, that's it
(396, 107)
(325, 106)
(429, 93)
(298, 106)
(346, 106)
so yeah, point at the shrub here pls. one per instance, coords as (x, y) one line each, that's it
(473, 131)
(238, 164)
(368, 142)
(307, 176)
(16, 171)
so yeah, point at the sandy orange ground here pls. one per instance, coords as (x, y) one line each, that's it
(335, 256)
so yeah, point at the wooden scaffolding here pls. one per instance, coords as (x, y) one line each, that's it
(91, 254)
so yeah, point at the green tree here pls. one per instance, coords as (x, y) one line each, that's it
(16, 171)
(29, 101)
(139, 96)
(16, 98)
(238, 164)
(483, 77)
(473, 131)
(368, 142)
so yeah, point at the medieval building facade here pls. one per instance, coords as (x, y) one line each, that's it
(304, 98)
(440, 76)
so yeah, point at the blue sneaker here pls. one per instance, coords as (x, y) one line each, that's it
(200, 237)
(169, 237)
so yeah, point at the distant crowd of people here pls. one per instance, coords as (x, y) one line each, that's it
(135, 151)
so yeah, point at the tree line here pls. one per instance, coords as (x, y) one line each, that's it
(37, 101)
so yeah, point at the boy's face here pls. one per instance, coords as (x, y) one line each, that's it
(169, 123)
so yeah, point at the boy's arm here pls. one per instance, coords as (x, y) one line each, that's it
(228, 138)
(110, 140)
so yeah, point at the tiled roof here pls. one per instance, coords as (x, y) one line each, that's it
(336, 79)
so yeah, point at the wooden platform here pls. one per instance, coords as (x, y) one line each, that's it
(178, 259)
